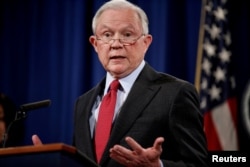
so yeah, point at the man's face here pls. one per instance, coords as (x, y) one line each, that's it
(119, 59)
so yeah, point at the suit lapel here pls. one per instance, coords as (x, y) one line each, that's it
(85, 115)
(131, 110)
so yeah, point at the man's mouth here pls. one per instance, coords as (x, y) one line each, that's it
(117, 57)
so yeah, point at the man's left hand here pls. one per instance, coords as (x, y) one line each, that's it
(138, 156)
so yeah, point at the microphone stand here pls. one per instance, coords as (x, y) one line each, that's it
(19, 115)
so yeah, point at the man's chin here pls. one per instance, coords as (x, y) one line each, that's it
(119, 72)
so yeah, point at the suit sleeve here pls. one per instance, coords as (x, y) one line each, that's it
(186, 127)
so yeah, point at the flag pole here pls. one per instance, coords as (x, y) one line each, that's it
(200, 46)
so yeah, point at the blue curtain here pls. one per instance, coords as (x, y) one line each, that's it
(45, 53)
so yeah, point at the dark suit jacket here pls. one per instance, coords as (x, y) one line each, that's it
(157, 105)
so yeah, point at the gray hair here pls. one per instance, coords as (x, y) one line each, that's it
(121, 4)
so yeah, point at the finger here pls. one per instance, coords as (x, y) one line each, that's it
(119, 157)
(115, 151)
(120, 150)
(36, 140)
(158, 143)
(134, 145)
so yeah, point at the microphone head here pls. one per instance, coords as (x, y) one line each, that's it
(35, 105)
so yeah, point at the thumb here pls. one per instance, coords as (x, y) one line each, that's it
(158, 143)
(36, 140)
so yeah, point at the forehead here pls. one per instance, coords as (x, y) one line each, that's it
(119, 19)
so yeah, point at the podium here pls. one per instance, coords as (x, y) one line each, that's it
(46, 155)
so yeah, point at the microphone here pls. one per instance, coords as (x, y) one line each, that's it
(35, 105)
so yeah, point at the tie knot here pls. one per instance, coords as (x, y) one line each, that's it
(114, 85)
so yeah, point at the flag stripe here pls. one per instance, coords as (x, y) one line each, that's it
(224, 124)
(213, 143)
(232, 102)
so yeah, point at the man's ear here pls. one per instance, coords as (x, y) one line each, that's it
(147, 41)
(92, 40)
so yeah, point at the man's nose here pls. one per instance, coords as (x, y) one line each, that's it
(116, 41)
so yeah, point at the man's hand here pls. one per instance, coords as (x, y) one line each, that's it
(138, 156)
(36, 140)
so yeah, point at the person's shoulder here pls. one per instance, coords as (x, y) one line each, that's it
(158, 77)
(165, 78)
(171, 78)
(176, 86)
(97, 89)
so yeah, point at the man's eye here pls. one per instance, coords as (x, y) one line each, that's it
(127, 34)
(107, 35)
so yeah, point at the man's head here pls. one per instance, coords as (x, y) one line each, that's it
(120, 37)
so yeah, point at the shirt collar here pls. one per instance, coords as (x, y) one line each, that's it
(126, 82)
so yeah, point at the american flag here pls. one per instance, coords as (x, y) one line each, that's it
(217, 82)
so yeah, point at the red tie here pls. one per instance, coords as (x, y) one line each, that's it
(105, 117)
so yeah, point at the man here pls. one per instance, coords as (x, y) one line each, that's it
(156, 119)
